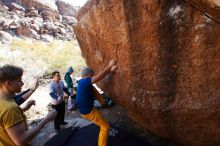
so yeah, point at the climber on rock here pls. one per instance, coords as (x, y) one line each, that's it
(85, 99)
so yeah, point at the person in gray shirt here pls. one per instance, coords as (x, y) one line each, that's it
(56, 92)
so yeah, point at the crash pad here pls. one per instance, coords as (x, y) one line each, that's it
(88, 136)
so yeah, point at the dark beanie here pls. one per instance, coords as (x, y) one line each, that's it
(70, 69)
(86, 71)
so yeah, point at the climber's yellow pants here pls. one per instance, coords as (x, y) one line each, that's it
(95, 117)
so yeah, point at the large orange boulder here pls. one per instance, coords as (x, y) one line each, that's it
(168, 54)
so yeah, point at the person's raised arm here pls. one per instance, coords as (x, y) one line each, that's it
(18, 98)
(21, 136)
(31, 91)
(104, 72)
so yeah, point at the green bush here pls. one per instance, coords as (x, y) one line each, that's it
(48, 56)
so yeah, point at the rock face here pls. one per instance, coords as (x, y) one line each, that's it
(168, 53)
(210, 7)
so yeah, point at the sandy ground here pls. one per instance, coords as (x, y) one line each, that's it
(114, 115)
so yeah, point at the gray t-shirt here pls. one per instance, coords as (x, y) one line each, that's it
(57, 89)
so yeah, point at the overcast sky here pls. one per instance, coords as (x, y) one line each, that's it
(76, 2)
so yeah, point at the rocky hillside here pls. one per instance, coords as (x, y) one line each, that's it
(37, 19)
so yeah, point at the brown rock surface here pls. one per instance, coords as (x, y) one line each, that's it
(210, 7)
(168, 54)
(27, 32)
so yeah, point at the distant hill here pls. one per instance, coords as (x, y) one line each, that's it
(37, 19)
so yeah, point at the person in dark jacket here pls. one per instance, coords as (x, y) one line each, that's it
(69, 86)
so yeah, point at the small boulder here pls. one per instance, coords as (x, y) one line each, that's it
(27, 32)
(35, 27)
(14, 6)
(49, 26)
(3, 8)
(45, 14)
(13, 25)
(4, 36)
(69, 20)
(66, 8)
(32, 12)
(46, 38)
